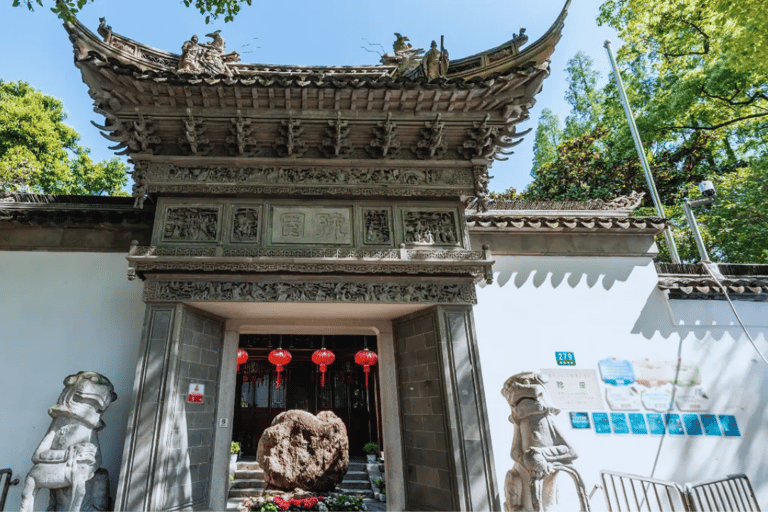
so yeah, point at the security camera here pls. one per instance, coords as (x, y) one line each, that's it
(707, 189)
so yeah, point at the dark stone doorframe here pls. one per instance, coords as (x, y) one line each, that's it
(447, 446)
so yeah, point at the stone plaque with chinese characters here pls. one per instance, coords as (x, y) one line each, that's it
(311, 225)
(574, 389)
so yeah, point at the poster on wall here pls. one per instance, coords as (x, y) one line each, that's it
(570, 388)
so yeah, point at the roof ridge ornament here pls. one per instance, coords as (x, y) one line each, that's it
(207, 58)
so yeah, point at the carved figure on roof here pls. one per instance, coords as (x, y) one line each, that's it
(435, 62)
(405, 56)
(206, 58)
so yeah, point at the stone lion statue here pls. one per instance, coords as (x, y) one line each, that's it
(68, 458)
(538, 448)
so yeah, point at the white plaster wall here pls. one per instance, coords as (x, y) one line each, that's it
(62, 313)
(601, 307)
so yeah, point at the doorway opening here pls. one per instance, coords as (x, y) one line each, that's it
(258, 399)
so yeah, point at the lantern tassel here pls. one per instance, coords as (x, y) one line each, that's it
(367, 371)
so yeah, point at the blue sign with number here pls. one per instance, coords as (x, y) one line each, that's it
(637, 423)
(565, 359)
(579, 420)
(602, 425)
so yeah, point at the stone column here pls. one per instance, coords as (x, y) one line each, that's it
(447, 450)
(167, 458)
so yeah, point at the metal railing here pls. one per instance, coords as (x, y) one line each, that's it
(6, 480)
(731, 493)
(633, 493)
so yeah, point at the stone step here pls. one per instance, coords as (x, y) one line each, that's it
(232, 503)
(248, 466)
(355, 484)
(248, 484)
(244, 492)
(249, 474)
(356, 492)
(356, 475)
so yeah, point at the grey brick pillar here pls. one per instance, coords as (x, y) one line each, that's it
(447, 450)
(168, 453)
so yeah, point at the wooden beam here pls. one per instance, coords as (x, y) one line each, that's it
(320, 97)
(337, 100)
(238, 98)
(471, 94)
(188, 94)
(419, 99)
(222, 97)
(255, 97)
(352, 99)
(436, 99)
(303, 98)
(452, 100)
(369, 105)
(287, 98)
(271, 97)
(387, 97)
(171, 94)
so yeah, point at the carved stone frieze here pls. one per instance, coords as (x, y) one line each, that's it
(289, 143)
(487, 142)
(154, 250)
(184, 224)
(377, 228)
(431, 144)
(312, 176)
(304, 191)
(311, 291)
(430, 227)
(336, 144)
(245, 225)
(384, 143)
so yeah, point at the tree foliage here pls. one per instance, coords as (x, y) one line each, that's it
(548, 136)
(696, 73)
(40, 153)
(211, 9)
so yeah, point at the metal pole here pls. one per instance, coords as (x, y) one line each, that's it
(695, 226)
(641, 154)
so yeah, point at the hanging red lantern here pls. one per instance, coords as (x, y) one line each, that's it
(279, 357)
(323, 357)
(366, 358)
(242, 357)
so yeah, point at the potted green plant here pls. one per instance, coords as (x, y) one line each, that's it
(234, 452)
(372, 449)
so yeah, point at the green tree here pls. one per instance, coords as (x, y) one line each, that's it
(211, 9)
(40, 153)
(548, 136)
(583, 95)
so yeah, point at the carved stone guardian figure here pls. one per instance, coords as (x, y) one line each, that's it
(538, 448)
(68, 458)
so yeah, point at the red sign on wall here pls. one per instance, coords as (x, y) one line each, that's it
(196, 393)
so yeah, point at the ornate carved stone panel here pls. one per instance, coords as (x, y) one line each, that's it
(245, 225)
(311, 225)
(377, 226)
(431, 227)
(432, 292)
(190, 224)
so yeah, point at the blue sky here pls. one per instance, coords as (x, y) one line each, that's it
(37, 50)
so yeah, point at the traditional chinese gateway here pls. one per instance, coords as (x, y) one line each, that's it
(306, 206)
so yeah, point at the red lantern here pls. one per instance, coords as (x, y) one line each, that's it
(242, 357)
(366, 358)
(279, 357)
(323, 357)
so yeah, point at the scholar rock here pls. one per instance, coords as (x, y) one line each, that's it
(304, 451)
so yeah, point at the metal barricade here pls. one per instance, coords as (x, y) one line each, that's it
(733, 493)
(632, 493)
(6, 480)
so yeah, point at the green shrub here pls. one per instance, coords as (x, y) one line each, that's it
(371, 448)
(235, 448)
